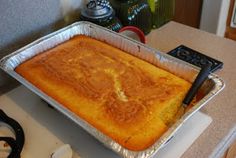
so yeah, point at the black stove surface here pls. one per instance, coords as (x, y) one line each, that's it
(15, 142)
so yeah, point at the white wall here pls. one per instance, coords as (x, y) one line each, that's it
(70, 9)
(214, 16)
(23, 21)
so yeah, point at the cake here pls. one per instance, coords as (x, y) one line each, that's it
(128, 99)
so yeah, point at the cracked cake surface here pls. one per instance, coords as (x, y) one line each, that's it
(124, 97)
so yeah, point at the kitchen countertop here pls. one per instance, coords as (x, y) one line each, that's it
(221, 108)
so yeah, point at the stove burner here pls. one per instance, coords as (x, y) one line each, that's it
(16, 143)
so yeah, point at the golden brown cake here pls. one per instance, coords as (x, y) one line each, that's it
(124, 97)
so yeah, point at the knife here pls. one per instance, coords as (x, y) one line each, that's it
(201, 77)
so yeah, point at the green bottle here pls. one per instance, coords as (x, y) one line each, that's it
(134, 12)
(162, 11)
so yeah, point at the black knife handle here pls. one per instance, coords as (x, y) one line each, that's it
(19, 134)
(201, 77)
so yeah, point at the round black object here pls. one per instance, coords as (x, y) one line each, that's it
(17, 143)
(101, 13)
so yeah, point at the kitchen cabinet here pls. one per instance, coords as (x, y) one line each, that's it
(231, 21)
(188, 12)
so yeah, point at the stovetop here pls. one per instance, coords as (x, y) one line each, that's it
(13, 137)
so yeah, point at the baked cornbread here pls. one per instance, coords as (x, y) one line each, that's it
(126, 98)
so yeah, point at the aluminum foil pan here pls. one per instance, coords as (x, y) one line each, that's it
(180, 68)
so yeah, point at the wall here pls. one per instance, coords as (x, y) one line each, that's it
(214, 16)
(23, 21)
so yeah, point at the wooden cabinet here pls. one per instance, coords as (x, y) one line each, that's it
(188, 12)
(230, 31)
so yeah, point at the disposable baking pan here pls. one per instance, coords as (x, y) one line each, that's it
(210, 88)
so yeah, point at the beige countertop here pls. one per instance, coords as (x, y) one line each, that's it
(221, 108)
